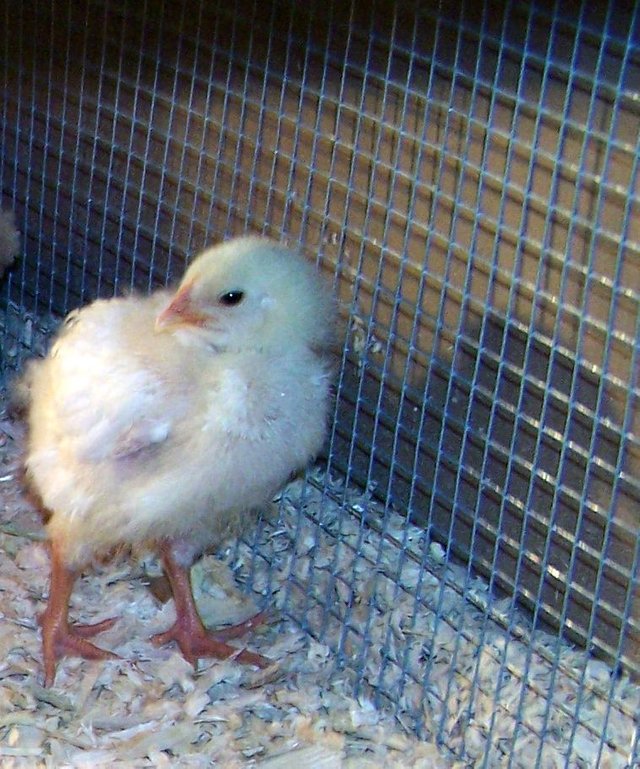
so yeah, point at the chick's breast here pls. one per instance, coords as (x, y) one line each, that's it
(134, 436)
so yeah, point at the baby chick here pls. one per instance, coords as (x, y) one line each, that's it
(166, 419)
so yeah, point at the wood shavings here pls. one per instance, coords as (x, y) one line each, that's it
(425, 648)
(437, 553)
(315, 755)
(363, 341)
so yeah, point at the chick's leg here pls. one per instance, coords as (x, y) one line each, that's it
(188, 631)
(59, 638)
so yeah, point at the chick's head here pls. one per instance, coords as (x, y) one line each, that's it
(251, 293)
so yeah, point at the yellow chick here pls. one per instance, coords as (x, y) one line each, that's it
(167, 419)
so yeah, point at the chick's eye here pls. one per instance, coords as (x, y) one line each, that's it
(229, 298)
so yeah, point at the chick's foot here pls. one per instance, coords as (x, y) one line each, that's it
(189, 633)
(195, 641)
(59, 638)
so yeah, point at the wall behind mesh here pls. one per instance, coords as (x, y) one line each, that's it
(468, 175)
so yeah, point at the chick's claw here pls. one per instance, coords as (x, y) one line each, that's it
(63, 640)
(88, 631)
(195, 642)
(236, 631)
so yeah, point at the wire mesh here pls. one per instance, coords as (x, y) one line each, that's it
(468, 175)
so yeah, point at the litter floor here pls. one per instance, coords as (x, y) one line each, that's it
(151, 708)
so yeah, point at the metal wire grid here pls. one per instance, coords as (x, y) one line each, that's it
(412, 147)
(630, 341)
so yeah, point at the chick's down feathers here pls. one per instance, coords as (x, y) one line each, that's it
(138, 433)
(166, 419)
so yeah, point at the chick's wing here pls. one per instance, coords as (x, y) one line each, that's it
(105, 399)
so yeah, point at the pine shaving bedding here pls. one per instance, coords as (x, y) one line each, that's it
(151, 708)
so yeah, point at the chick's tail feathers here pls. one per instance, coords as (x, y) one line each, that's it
(19, 391)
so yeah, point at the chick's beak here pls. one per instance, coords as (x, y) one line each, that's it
(181, 311)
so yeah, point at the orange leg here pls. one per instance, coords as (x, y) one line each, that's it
(189, 632)
(59, 638)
